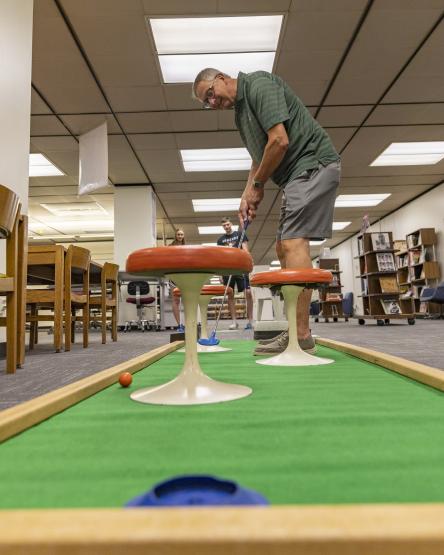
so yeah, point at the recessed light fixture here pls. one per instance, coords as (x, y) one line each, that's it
(215, 159)
(216, 204)
(314, 243)
(209, 244)
(349, 201)
(214, 229)
(337, 226)
(75, 209)
(40, 166)
(233, 44)
(411, 154)
(275, 263)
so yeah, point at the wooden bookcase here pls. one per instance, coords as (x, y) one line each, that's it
(378, 276)
(330, 296)
(423, 268)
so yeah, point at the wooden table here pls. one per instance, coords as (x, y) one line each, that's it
(46, 264)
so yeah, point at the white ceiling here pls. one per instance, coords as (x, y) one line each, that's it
(370, 71)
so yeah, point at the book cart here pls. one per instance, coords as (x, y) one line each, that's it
(381, 298)
(330, 296)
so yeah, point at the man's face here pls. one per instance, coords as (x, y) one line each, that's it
(214, 94)
(227, 227)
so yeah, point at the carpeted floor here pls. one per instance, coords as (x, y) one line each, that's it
(45, 370)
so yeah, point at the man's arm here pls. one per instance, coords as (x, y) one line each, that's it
(274, 152)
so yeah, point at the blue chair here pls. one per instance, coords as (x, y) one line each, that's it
(433, 295)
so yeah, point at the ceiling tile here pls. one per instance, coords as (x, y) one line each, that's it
(153, 142)
(138, 69)
(202, 120)
(47, 125)
(38, 106)
(178, 8)
(155, 122)
(82, 124)
(136, 99)
(408, 114)
(342, 115)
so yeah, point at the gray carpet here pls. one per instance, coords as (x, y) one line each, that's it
(45, 370)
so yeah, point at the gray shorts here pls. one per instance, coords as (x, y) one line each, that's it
(308, 203)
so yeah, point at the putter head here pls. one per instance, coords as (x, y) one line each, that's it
(210, 342)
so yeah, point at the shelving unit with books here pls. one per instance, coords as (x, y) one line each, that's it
(423, 268)
(213, 307)
(402, 266)
(379, 280)
(330, 297)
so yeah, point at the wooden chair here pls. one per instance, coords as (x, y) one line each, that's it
(107, 300)
(76, 273)
(75, 296)
(9, 230)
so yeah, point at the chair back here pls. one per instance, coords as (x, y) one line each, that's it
(77, 258)
(109, 273)
(138, 288)
(9, 209)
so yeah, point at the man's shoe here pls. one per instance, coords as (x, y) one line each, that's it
(249, 326)
(308, 345)
(272, 339)
(277, 346)
(233, 326)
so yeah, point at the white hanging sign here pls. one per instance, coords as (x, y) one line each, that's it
(93, 159)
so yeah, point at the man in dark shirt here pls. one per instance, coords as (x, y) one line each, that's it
(287, 145)
(231, 238)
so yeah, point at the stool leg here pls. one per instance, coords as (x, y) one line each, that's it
(192, 386)
(204, 301)
(293, 354)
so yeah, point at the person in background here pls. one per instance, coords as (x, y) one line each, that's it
(231, 239)
(179, 240)
(289, 146)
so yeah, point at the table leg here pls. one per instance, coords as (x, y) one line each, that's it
(58, 300)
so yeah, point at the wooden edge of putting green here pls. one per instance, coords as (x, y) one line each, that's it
(23, 416)
(416, 371)
(280, 530)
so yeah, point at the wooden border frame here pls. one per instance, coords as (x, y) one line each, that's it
(414, 370)
(23, 416)
(386, 529)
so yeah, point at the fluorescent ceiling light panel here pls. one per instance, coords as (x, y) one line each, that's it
(214, 229)
(350, 201)
(216, 204)
(209, 244)
(411, 154)
(314, 243)
(183, 68)
(337, 226)
(40, 166)
(192, 35)
(215, 159)
(275, 263)
(75, 209)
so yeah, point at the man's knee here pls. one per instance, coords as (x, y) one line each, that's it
(298, 245)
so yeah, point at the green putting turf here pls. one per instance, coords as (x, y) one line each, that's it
(349, 432)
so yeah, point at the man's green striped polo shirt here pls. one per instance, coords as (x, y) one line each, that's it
(264, 100)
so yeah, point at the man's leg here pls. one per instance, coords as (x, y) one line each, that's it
(249, 300)
(231, 304)
(176, 308)
(296, 254)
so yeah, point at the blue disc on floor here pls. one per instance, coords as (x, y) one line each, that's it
(197, 490)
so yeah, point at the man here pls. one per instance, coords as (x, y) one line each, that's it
(231, 239)
(287, 145)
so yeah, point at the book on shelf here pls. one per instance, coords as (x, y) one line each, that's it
(403, 260)
(415, 256)
(407, 295)
(400, 245)
(335, 281)
(390, 306)
(423, 308)
(337, 297)
(380, 241)
(389, 284)
(364, 286)
(412, 240)
(385, 261)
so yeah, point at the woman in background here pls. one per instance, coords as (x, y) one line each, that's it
(179, 240)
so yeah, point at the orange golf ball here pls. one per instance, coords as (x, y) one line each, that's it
(125, 379)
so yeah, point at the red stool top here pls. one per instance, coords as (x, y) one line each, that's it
(303, 276)
(207, 290)
(160, 261)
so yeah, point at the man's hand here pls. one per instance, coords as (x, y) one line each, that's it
(249, 204)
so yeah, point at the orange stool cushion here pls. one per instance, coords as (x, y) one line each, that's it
(304, 276)
(160, 261)
(207, 290)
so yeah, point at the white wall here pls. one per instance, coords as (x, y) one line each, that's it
(15, 101)
(426, 211)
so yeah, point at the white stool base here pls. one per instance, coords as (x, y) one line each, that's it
(294, 358)
(187, 390)
(207, 349)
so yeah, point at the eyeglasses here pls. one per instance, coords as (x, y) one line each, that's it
(209, 95)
